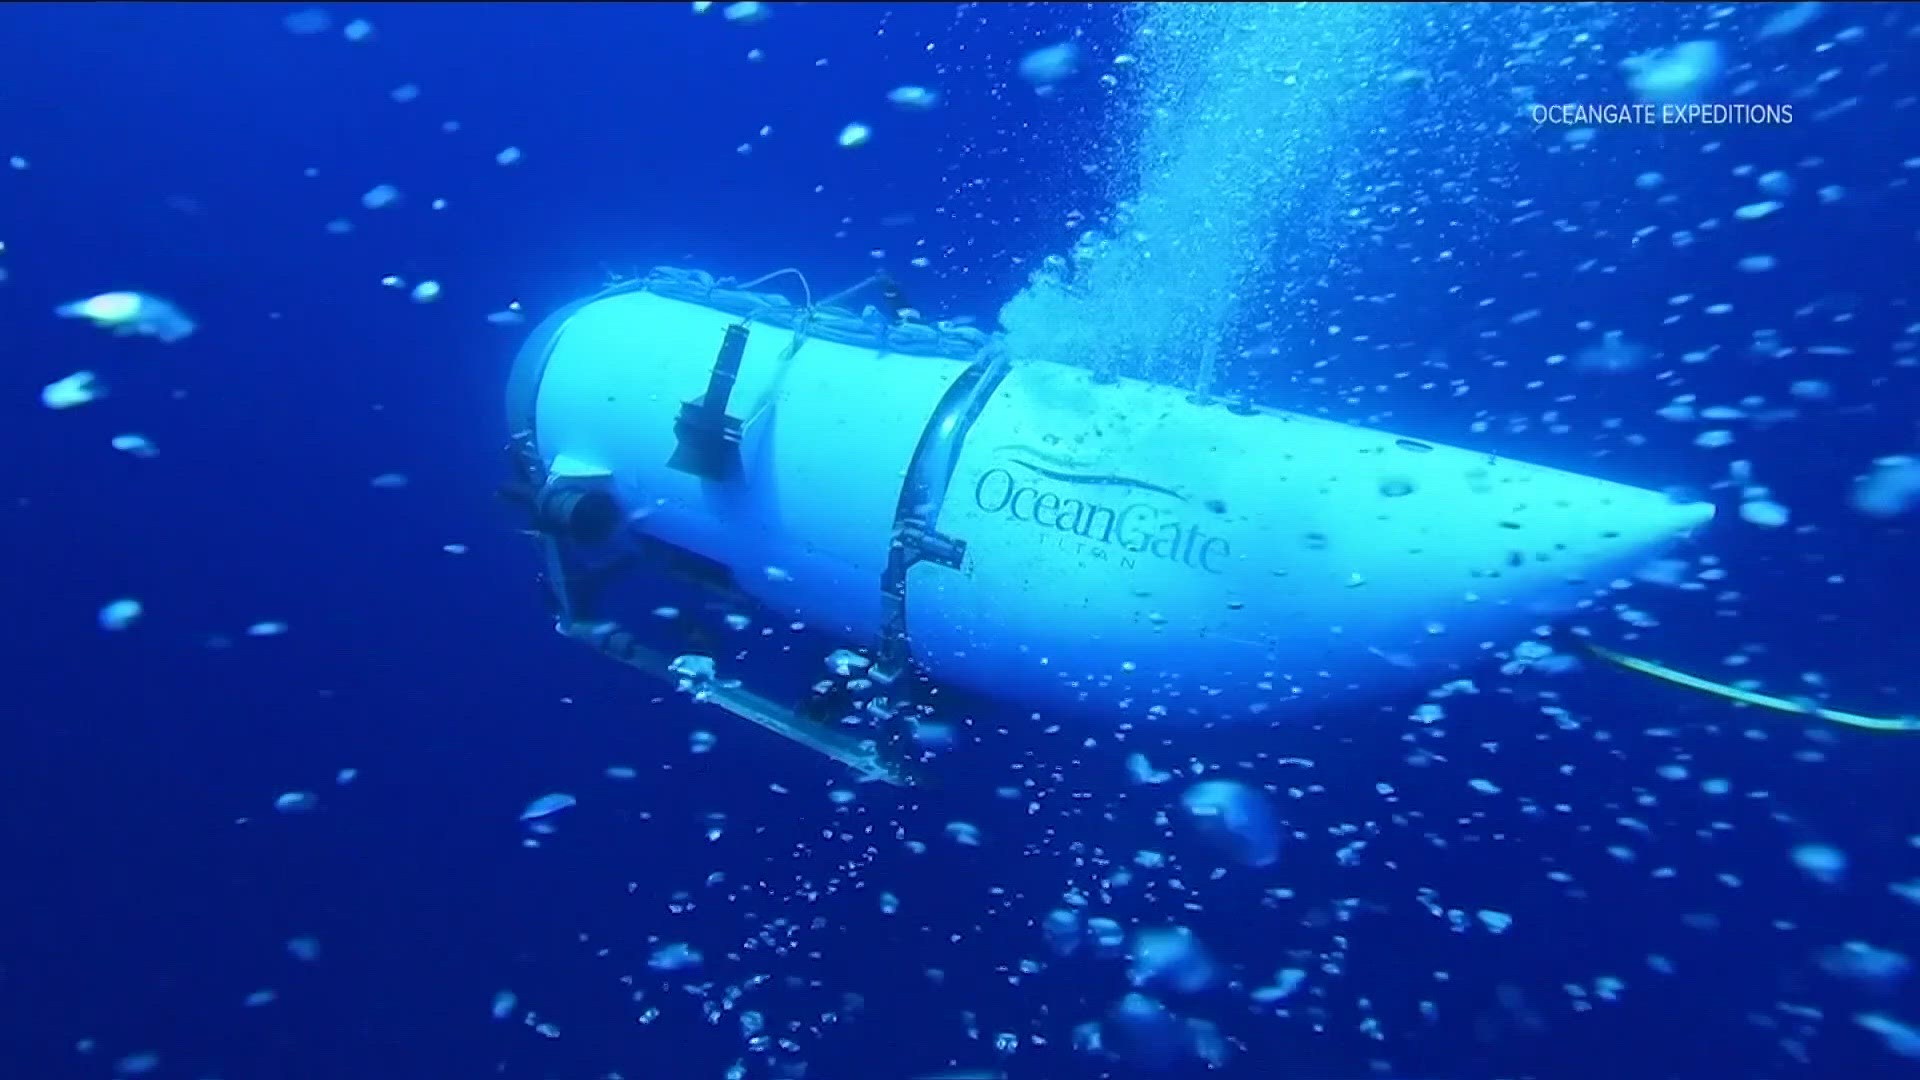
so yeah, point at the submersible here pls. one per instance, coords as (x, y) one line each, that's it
(1016, 527)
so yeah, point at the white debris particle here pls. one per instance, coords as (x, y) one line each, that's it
(426, 292)
(1764, 513)
(621, 772)
(855, 134)
(747, 12)
(1053, 64)
(392, 481)
(1484, 787)
(547, 804)
(1496, 922)
(961, 832)
(701, 742)
(404, 93)
(296, 802)
(120, 614)
(509, 156)
(913, 98)
(308, 21)
(126, 314)
(1892, 489)
(137, 445)
(380, 197)
(359, 31)
(267, 629)
(304, 948)
(260, 997)
(511, 315)
(674, 956)
(137, 1064)
(504, 1003)
(1756, 211)
(1757, 264)
(1713, 440)
(1821, 862)
(454, 549)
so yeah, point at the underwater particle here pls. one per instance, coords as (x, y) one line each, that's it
(1235, 818)
(1678, 76)
(128, 313)
(1484, 787)
(1169, 956)
(1789, 19)
(1823, 863)
(137, 445)
(510, 316)
(1775, 183)
(296, 802)
(454, 549)
(304, 948)
(914, 98)
(546, 805)
(621, 772)
(509, 156)
(1757, 264)
(308, 21)
(1764, 512)
(404, 93)
(359, 32)
(267, 629)
(76, 389)
(504, 1002)
(1496, 922)
(380, 196)
(426, 292)
(963, 833)
(746, 13)
(1892, 489)
(701, 742)
(1053, 64)
(346, 776)
(391, 481)
(339, 227)
(1142, 771)
(1881, 969)
(1901, 1039)
(1062, 932)
(261, 997)
(120, 614)
(675, 956)
(1614, 354)
(1649, 181)
(138, 1063)
(855, 135)
(1756, 210)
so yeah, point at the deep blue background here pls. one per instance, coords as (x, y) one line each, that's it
(167, 146)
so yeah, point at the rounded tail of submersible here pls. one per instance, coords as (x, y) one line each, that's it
(1022, 530)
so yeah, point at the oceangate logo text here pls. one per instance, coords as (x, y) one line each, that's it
(1127, 530)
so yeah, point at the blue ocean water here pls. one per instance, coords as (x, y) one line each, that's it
(269, 823)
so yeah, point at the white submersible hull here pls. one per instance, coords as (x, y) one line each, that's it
(1029, 531)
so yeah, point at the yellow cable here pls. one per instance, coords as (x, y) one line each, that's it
(1765, 701)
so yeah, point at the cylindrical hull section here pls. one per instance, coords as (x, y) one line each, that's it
(1127, 548)
(1132, 551)
(807, 529)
